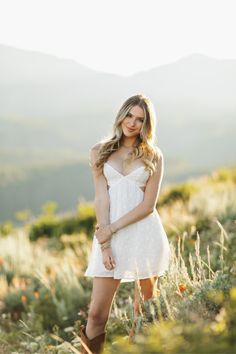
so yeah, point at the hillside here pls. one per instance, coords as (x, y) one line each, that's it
(44, 296)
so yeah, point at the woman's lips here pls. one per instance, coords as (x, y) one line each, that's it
(131, 130)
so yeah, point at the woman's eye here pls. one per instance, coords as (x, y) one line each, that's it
(130, 115)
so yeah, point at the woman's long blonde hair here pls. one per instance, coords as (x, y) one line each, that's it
(145, 148)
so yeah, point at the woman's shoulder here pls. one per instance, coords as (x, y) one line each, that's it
(94, 150)
(96, 146)
(158, 151)
(93, 153)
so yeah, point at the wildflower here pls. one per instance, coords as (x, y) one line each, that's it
(1, 261)
(182, 287)
(36, 294)
(23, 299)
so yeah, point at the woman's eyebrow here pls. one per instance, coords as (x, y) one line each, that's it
(136, 117)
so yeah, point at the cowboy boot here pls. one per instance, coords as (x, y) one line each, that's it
(85, 340)
(95, 344)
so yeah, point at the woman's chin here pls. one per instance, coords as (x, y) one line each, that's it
(130, 134)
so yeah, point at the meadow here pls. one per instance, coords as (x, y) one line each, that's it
(44, 296)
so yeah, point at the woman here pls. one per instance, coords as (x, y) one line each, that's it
(130, 243)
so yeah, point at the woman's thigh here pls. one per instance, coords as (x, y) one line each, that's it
(103, 292)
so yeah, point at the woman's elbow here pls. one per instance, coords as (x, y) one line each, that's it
(149, 209)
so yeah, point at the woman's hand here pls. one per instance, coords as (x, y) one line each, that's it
(99, 225)
(108, 259)
(103, 233)
(107, 256)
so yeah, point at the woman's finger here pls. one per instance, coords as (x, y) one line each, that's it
(112, 261)
(108, 264)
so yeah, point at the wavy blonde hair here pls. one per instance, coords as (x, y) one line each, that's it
(145, 148)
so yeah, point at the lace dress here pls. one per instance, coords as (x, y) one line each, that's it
(141, 249)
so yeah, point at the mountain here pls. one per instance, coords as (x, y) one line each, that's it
(54, 110)
(53, 103)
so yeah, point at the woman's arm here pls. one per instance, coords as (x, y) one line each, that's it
(102, 199)
(149, 202)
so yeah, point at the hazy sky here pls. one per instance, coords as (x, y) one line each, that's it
(123, 36)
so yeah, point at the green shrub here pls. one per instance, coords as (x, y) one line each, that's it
(50, 225)
(224, 175)
(43, 227)
(6, 228)
(46, 308)
(183, 192)
(206, 301)
(16, 302)
(176, 337)
(203, 224)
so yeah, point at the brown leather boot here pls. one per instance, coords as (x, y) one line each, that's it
(95, 344)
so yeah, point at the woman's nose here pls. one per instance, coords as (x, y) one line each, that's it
(133, 123)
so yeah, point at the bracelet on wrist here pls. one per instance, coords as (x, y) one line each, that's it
(112, 229)
(105, 245)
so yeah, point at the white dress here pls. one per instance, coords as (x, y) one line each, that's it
(141, 249)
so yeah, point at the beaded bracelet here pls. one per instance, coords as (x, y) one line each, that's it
(105, 245)
(112, 231)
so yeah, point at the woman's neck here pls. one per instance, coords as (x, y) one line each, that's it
(128, 143)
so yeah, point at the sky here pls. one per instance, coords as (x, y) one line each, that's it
(123, 36)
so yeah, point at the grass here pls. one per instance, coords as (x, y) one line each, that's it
(44, 296)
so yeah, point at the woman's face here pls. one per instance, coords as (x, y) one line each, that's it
(133, 122)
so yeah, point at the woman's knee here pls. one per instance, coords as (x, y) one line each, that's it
(97, 315)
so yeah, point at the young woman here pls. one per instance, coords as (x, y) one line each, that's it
(130, 243)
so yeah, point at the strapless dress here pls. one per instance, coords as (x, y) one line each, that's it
(141, 249)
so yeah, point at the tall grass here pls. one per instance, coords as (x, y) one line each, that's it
(44, 296)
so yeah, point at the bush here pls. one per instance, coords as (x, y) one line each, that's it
(176, 337)
(207, 300)
(45, 226)
(52, 227)
(224, 175)
(183, 191)
(6, 228)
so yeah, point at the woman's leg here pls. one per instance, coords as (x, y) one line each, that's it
(103, 292)
(146, 287)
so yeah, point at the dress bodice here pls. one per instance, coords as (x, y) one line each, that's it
(139, 175)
